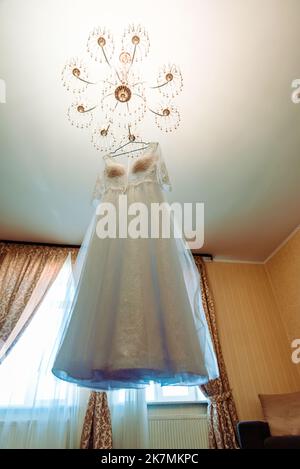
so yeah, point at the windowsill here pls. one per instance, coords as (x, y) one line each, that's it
(171, 403)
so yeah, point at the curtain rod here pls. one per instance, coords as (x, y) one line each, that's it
(33, 243)
(209, 257)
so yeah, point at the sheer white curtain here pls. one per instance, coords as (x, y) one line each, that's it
(36, 409)
(39, 411)
(129, 418)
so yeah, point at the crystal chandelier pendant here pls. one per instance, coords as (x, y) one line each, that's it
(167, 117)
(169, 81)
(103, 138)
(100, 45)
(79, 114)
(124, 100)
(74, 76)
(118, 101)
(136, 38)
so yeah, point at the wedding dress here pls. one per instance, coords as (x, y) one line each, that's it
(137, 314)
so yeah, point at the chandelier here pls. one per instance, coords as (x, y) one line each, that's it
(115, 103)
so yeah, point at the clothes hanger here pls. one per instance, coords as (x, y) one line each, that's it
(114, 153)
(131, 140)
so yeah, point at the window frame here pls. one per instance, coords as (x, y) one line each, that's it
(194, 396)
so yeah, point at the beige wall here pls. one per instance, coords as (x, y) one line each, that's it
(284, 274)
(255, 346)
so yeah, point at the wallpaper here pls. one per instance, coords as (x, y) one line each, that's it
(284, 274)
(255, 345)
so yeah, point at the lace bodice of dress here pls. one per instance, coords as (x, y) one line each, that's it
(148, 167)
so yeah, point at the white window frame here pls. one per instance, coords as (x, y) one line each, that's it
(155, 395)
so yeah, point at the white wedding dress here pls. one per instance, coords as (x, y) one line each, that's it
(137, 314)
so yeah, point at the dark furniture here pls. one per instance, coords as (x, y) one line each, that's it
(256, 435)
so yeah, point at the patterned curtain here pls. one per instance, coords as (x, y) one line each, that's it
(97, 431)
(222, 412)
(22, 267)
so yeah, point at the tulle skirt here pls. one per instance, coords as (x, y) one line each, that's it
(137, 314)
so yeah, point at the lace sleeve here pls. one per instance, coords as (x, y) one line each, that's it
(98, 190)
(162, 173)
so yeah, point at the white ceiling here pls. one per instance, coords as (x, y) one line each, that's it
(237, 148)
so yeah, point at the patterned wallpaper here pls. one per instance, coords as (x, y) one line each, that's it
(255, 345)
(284, 274)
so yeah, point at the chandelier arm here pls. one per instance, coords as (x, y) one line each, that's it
(85, 81)
(138, 95)
(107, 96)
(159, 86)
(117, 73)
(133, 55)
(91, 109)
(105, 81)
(156, 113)
(138, 83)
(105, 56)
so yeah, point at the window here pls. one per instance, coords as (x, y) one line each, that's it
(25, 374)
(171, 394)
